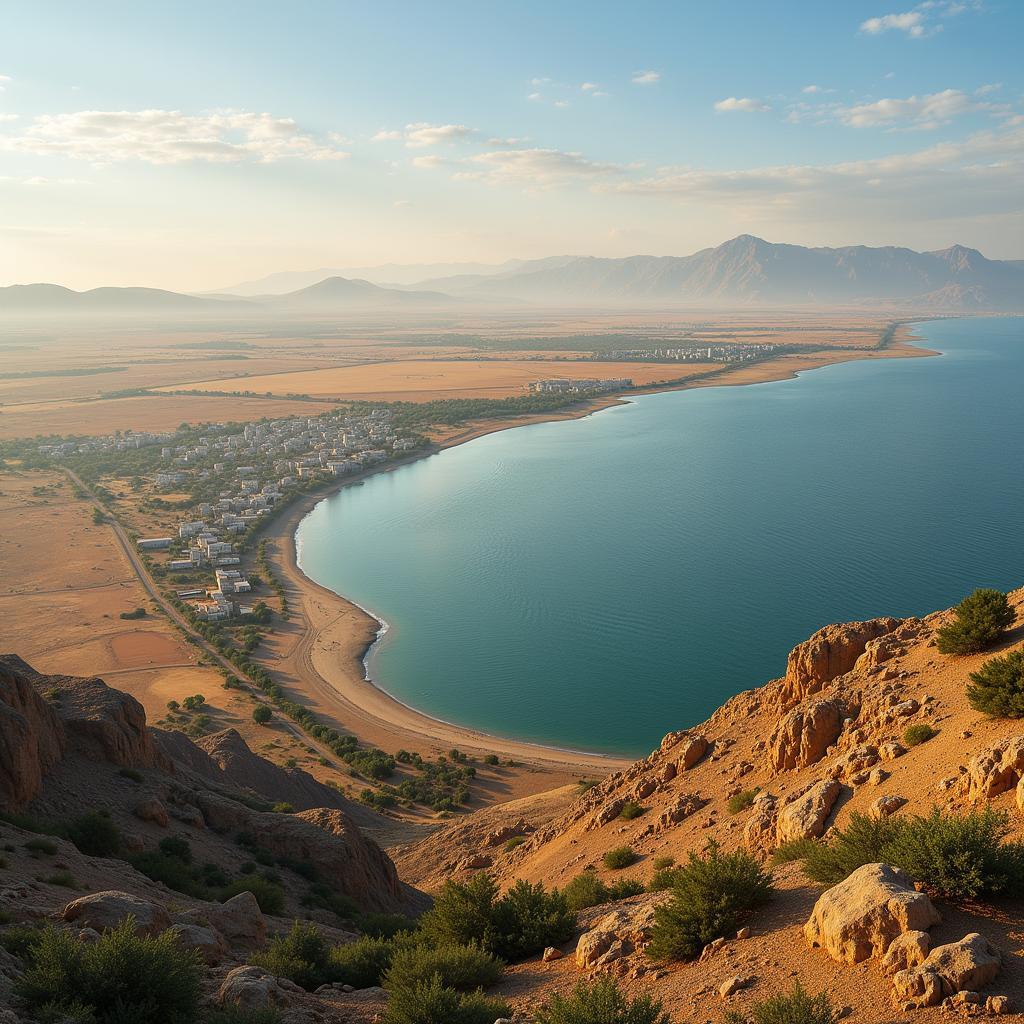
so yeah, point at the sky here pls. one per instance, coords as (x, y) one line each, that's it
(193, 145)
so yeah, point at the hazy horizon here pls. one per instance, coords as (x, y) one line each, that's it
(193, 148)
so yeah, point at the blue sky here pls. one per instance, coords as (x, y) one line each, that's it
(190, 145)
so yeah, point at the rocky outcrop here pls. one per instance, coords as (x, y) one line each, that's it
(252, 988)
(906, 951)
(240, 921)
(760, 831)
(806, 816)
(103, 910)
(329, 840)
(963, 966)
(829, 653)
(616, 934)
(861, 916)
(804, 735)
(31, 736)
(994, 770)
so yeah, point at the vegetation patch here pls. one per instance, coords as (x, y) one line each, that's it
(587, 890)
(620, 857)
(920, 732)
(601, 1001)
(980, 621)
(997, 688)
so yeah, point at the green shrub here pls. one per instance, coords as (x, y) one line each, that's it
(385, 926)
(960, 856)
(981, 619)
(491, 759)
(920, 732)
(865, 840)
(587, 890)
(512, 843)
(301, 956)
(95, 834)
(119, 977)
(795, 1008)
(997, 688)
(710, 896)
(620, 857)
(130, 773)
(630, 810)
(741, 801)
(601, 1002)
(262, 714)
(664, 861)
(465, 968)
(523, 921)
(431, 1002)
(663, 879)
(794, 850)
(19, 939)
(269, 895)
(362, 963)
(172, 871)
(39, 847)
(177, 846)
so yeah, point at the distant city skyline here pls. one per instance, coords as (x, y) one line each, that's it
(189, 146)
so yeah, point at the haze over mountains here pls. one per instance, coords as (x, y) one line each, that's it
(745, 271)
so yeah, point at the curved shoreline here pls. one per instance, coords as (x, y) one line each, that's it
(327, 660)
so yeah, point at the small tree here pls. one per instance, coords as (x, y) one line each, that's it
(601, 1001)
(796, 1007)
(981, 619)
(997, 688)
(262, 714)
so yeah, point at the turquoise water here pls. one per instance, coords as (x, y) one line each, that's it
(595, 583)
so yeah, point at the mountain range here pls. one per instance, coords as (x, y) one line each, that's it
(745, 271)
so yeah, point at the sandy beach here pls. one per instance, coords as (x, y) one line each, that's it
(320, 651)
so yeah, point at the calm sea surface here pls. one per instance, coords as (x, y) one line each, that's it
(596, 583)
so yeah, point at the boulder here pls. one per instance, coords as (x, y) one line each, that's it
(861, 916)
(829, 653)
(890, 750)
(685, 805)
(957, 967)
(994, 770)
(498, 836)
(761, 827)
(103, 910)
(691, 751)
(805, 817)
(804, 734)
(210, 944)
(476, 861)
(552, 953)
(618, 933)
(731, 986)
(905, 951)
(252, 988)
(885, 806)
(152, 811)
(240, 921)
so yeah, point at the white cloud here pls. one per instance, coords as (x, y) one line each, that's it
(533, 168)
(513, 140)
(399, 204)
(911, 22)
(429, 163)
(169, 137)
(988, 88)
(561, 104)
(743, 104)
(7, 118)
(921, 111)
(589, 87)
(421, 134)
(646, 77)
(536, 97)
(811, 88)
(920, 21)
(387, 135)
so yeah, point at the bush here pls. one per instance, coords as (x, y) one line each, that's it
(262, 714)
(177, 846)
(512, 843)
(431, 1002)
(741, 801)
(491, 759)
(710, 895)
(269, 895)
(997, 688)
(39, 847)
(919, 733)
(301, 956)
(362, 963)
(981, 619)
(130, 773)
(794, 850)
(601, 1002)
(630, 810)
(385, 926)
(171, 870)
(663, 879)
(620, 857)
(587, 890)
(19, 939)
(960, 856)
(95, 834)
(119, 977)
(523, 921)
(796, 1008)
(465, 968)
(138, 613)
(664, 861)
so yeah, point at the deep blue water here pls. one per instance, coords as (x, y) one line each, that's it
(595, 583)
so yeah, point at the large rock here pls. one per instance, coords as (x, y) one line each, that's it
(761, 828)
(994, 770)
(240, 921)
(103, 910)
(691, 750)
(618, 933)
(806, 816)
(31, 736)
(829, 653)
(209, 943)
(804, 734)
(963, 966)
(905, 951)
(252, 988)
(861, 916)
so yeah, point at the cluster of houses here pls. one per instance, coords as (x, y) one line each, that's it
(568, 386)
(259, 467)
(110, 443)
(721, 353)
